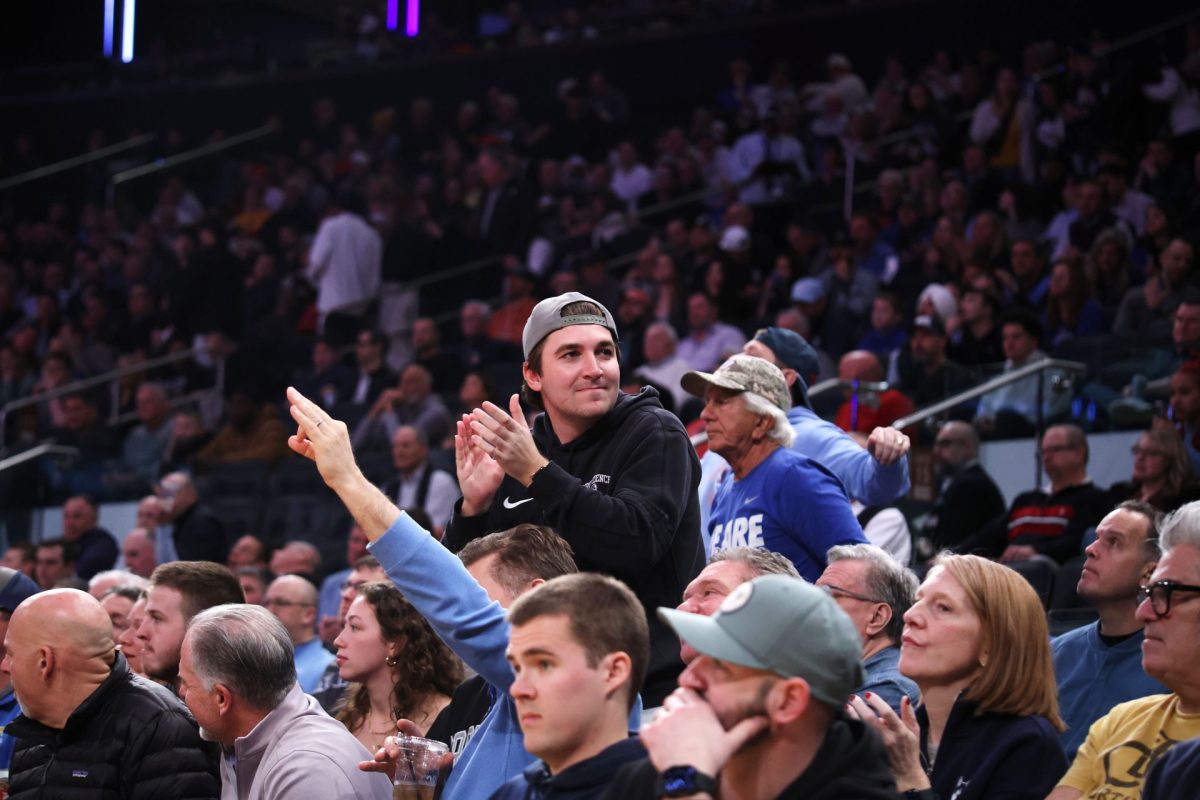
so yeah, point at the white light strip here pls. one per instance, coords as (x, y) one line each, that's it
(127, 31)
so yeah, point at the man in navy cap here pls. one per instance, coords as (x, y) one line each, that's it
(875, 476)
(14, 588)
(924, 373)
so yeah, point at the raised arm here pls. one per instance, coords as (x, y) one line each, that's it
(873, 479)
(431, 578)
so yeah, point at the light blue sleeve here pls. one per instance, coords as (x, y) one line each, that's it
(815, 511)
(866, 480)
(439, 586)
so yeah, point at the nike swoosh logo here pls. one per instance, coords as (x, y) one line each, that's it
(510, 504)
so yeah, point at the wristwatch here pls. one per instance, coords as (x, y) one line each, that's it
(684, 781)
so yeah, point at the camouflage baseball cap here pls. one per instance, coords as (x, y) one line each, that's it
(743, 373)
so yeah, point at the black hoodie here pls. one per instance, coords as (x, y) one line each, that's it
(623, 495)
(583, 781)
(850, 765)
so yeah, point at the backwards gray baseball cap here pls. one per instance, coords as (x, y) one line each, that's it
(783, 625)
(547, 317)
(742, 373)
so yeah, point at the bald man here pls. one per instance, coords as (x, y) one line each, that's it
(198, 534)
(90, 727)
(293, 600)
(138, 550)
(296, 558)
(968, 498)
(873, 409)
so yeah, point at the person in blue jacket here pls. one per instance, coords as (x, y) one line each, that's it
(774, 498)
(14, 588)
(440, 587)
(1099, 666)
(977, 645)
(875, 476)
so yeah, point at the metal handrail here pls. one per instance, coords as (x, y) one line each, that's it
(98, 380)
(182, 401)
(1122, 44)
(1000, 381)
(858, 386)
(821, 387)
(451, 272)
(47, 448)
(1020, 373)
(204, 150)
(112, 379)
(76, 161)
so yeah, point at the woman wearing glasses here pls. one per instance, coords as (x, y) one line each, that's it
(1162, 474)
(976, 644)
(398, 666)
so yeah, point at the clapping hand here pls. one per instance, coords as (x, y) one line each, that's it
(506, 438)
(479, 475)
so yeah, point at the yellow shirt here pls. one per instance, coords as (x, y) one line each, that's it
(1122, 746)
(1009, 154)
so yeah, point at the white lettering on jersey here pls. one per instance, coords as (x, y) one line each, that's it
(738, 532)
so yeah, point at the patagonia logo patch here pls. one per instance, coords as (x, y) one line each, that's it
(79, 773)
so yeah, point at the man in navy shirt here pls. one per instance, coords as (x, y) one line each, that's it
(773, 498)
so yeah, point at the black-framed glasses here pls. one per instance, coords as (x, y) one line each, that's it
(834, 591)
(1160, 593)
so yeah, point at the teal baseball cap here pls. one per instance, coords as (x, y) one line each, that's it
(784, 625)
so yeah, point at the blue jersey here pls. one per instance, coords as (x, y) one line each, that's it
(789, 504)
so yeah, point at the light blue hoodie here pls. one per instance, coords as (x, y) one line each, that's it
(476, 628)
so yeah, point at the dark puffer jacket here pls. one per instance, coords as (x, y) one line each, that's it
(131, 739)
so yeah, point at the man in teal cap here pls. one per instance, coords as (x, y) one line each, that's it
(758, 715)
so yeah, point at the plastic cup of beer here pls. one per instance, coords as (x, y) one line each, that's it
(417, 768)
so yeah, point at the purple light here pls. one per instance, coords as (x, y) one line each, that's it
(393, 14)
(412, 20)
(109, 15)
